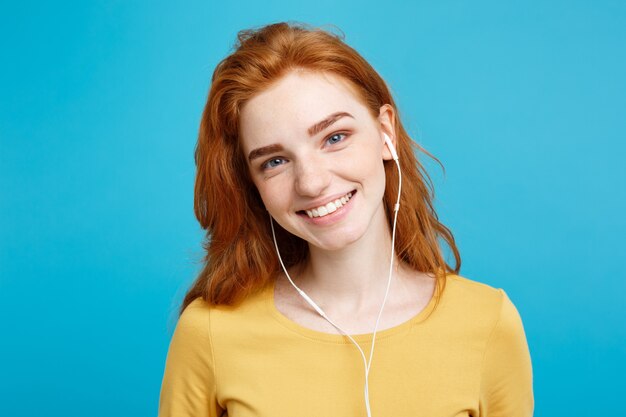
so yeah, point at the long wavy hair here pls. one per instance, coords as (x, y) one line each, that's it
(240, 256)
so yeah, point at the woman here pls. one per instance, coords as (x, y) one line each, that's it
(297, 186)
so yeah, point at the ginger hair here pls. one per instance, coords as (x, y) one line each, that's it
(240, 256)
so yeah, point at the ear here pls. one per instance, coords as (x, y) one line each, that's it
(386, 120)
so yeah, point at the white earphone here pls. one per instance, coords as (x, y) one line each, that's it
(319, 310)
(392, 149)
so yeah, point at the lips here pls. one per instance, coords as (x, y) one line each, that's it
(328, 208)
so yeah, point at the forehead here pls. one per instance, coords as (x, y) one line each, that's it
(294, 103)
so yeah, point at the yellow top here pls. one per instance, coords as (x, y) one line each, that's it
(468, 358)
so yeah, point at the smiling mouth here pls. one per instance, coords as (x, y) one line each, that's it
(328, 208)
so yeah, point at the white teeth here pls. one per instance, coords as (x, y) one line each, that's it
(330, 207)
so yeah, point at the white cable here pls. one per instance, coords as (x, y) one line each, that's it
(393, 240)
(367, 364)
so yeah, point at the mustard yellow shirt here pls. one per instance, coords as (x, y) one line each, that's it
(468, 358)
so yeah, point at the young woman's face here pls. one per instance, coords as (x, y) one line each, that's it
(315, 154)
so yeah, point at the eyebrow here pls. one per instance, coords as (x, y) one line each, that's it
(265, 150)
(321, 125)
(313, 130)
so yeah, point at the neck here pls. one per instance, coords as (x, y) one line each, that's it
(353, 278)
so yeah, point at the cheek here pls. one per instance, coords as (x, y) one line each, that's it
(265, 197)
(271, 196)
(366, 167)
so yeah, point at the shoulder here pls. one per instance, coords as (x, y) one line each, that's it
(203, 316)
(193, 326)
(471, 286)
(470, 302)
(475, 292)
(473, 295)
(196, 314)
(202, 327)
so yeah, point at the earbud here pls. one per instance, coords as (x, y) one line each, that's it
(392, 148)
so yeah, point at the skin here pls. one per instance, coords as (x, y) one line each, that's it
(349, 264)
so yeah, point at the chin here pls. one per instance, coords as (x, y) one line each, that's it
(333, 244)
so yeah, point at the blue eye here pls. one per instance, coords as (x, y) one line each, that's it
(272, 163)
(336, 138)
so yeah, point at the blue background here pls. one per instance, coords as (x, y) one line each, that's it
(523, 102)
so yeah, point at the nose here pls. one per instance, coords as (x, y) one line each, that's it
(311, 177)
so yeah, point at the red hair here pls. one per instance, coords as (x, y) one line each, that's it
(240, 256)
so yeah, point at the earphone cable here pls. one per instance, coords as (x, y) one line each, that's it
(367, 364)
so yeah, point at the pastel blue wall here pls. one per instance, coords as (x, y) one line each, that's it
(523, 102)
